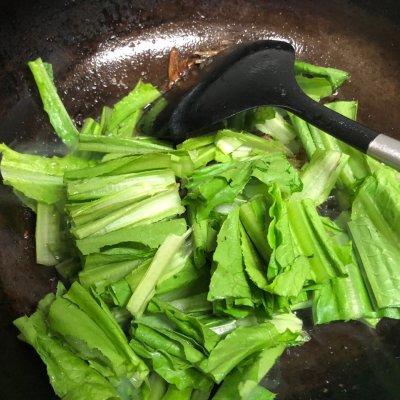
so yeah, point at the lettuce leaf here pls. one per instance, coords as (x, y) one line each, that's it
(38, 178)
(59, 118)
(228, 281)
(375, 230)
(248, 340)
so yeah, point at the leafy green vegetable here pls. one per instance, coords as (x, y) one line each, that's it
(173, 369)
(248, 340)
(375, 229)
(70, 376)
(272, 123)
(155, 312)
(302, 247)
(242, 382)
(320, 175)
(121, 145)
(255, 219)
(124, 115)
(151, 235)
(163, 205)
(145, 289)
(82, 344)
(47, 233)
(336, 77)
(38, 178)
(229, 141)
(59, 118)
(173, 393)
(228, 281)
(219, 184)
(155, 389)
(316, 88)
(186, 324)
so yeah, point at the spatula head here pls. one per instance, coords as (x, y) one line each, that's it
(247, 76)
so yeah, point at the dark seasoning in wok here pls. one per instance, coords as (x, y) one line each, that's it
(342, 334)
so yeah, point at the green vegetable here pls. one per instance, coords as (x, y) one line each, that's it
(186, 324)
(145, 289)
(122, 145)
(47, 233)
(248, 340)
(163, 205)
(186, 264)
(228, 281)
(38, 178)
(375, 229)
(155, 389)
(302, 247)
(122, 120)
(316, 88)
(320, 175)
(82, 344)
(52, 104)
(242, 382)
(151, 235)
(272, 123)
(173, 393)
(229, 141)
(336, 77)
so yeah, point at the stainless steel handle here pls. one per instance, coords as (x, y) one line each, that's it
(385, 149)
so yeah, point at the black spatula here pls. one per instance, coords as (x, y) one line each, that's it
(258, 74)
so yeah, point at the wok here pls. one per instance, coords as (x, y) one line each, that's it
(99, 49)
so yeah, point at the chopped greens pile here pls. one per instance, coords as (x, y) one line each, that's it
(182, 268)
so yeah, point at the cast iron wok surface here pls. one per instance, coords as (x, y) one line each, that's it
(99, 49)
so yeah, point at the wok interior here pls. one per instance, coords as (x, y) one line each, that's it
(99, 49)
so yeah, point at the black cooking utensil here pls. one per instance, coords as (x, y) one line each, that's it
(258, 74)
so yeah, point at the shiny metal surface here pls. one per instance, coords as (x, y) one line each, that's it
(386, 149)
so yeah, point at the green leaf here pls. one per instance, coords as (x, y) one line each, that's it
(186, 324)
(242, 382)
(166, 204)
(248, 340)
(125, 113)
(196, 142)
(121, 145)
(228, 141)
(47, 233)
(254, 266)
(151, 235)
(155, 389)
(173, 369)
(375, 229)
(103, 275)
(303, 133)
(315, 87)
(67, 372)
(228, 281)
(336, 77)
(219, 184)
(302, 247)
(146, 288)
(255, 219)
(59, 118)
(96, 187)
(344, 298)
(320, 175)
(273, 124)
(39, 178)
(173, 393)
(167, 341)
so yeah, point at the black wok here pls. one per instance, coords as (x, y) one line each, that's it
(99, 49)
